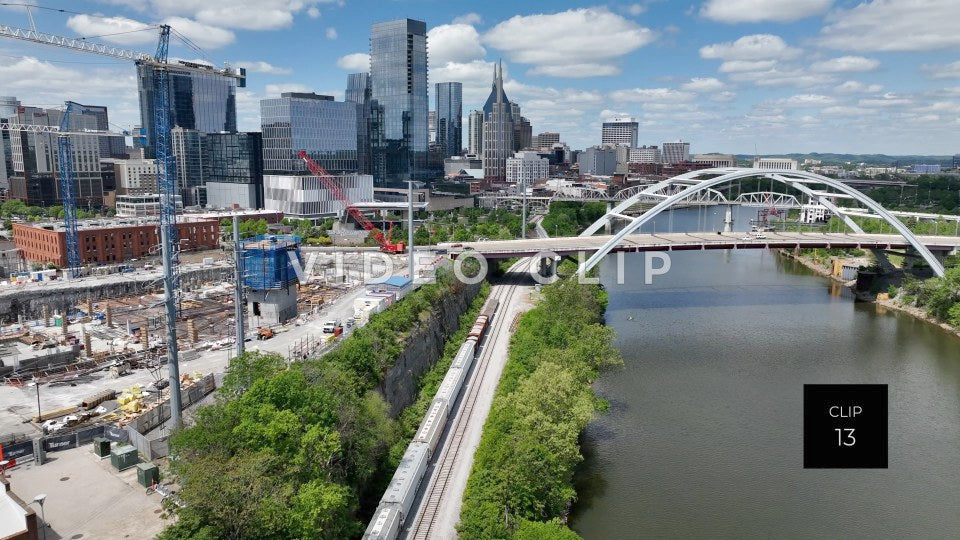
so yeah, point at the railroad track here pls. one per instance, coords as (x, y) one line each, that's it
(430, 505)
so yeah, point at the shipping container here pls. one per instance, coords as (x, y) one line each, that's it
(385, 524)
(432, 425)
(403, 486)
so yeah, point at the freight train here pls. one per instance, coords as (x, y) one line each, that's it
(394, 508)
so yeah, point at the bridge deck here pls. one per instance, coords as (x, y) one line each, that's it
(499, 249)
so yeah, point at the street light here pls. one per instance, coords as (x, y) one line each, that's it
(39, 500)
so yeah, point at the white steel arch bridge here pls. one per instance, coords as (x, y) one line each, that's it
(698, 185)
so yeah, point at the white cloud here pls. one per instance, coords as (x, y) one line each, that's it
(857, 87)
(635, 9)
(454, 43)
(805, 101)
(468, 18)
(737, 11)
(259, 66)
(845, 110)
(845, 64)
(313, 13)
(85, 25)
(331, 33)
(736, 66)
(476, 76)
(707, 84)
(274, 90)
(723, 97)
(576, 71)
(578, 36)
(886, 25)
(887, 100)
(203, 35)
(358, 62)
(242, 14)
(777, 76)
(753, 47)
(943, 71)
(655, 95)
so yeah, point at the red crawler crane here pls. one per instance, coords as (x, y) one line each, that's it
(385, 241)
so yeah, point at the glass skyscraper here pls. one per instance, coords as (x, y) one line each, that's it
(324, 128)
(358, 91)
(233, 169)
(398, 73)
(450, 117)
(200, 101)
(110, 147)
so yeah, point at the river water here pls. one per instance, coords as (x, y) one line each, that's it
(704, 437)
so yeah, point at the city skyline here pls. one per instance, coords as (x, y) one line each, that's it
(728, 75)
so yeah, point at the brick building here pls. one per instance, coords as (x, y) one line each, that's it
(105, 241)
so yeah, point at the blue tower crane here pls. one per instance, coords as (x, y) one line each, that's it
(68, 192)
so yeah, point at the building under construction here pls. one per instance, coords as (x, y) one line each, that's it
(270, 267)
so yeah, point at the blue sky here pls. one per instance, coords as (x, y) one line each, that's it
(742, 76)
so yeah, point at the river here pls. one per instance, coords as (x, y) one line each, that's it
(704, 437)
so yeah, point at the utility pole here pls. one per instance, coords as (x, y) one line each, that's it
(523, 225)
(410, 229)
(238, 292)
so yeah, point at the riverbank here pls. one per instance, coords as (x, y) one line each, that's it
(881, 300)
(521, 483)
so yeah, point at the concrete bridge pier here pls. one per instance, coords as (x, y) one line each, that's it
(547, 267)
(608, 226)
(728, 219)
(883, 261)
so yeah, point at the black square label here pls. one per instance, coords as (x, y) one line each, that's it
(845, 426)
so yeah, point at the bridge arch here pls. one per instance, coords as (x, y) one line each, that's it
(696, 182)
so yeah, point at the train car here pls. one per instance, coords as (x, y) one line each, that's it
(490, 308)
(450, 387)
(464, 357)
(432, 425)
(403, 486)
(478, 327)
(385, 524)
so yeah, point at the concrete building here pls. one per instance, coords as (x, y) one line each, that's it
(398, 75)
(597, 161)
(676, 152)
(645, 154)
(813, 213)
(449, 118)
(104, 241)
(142, 205)
(716, 160)
(782, 164)
(233, 170)
(36, 177)
(136, 176)
(475, 133)
(526, 168)
(545, 141)
(112, 146)
(620, 131)
(453, 165)
(305, 197)
(18, 520)
(498, 131)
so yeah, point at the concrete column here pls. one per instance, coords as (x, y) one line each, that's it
(145, 335)
(90, 306)
(64, 322)
(608, 226)
(46, 316)
(87, 346)
(192, 331)
(109, 310)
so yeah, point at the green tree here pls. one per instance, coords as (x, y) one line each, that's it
(421, 236)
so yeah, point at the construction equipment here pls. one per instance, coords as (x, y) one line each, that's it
(264, 333)
(166, 168)
(385, 241)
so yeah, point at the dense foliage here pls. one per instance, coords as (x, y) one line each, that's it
(17, 208)
(462, 225)
(292, 452)
(521, 485)
(570, 218)
(940, 297)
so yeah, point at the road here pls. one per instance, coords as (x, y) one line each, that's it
(438, 510)
(571, 245)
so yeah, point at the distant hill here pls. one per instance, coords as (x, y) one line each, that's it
(870, 159)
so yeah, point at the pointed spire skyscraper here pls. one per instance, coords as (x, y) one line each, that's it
(497, 130)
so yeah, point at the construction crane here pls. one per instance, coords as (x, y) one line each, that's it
(166, 167)
(385, 241)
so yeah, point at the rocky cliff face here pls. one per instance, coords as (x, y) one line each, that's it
(424, 347)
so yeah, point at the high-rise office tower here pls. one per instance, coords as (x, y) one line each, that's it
(620, 131)
(359, 92)
(497, 130)
(676, 152)
(188, 152)
(8, 110)
(450, 117)
(110, 147)
(475, 133)
(522, 134)
(432, 126)
(398, 73)
(36, 169)
(201, 101)
(546, 140)
(327, 131)
(233, 170)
